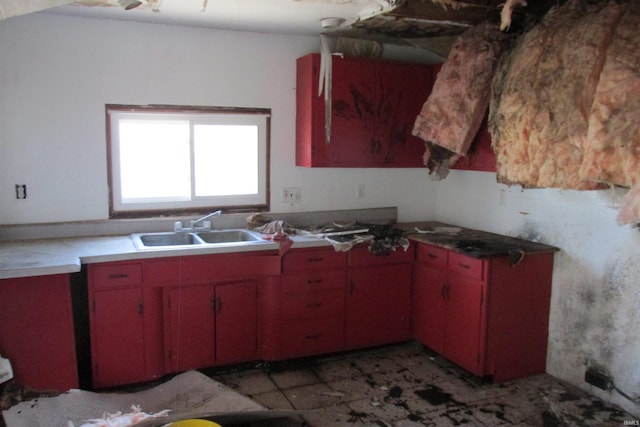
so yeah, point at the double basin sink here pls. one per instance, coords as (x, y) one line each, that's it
(212, 238)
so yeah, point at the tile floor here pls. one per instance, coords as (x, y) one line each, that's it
(406, 385)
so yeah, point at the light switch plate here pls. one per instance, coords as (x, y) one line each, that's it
(291, 195)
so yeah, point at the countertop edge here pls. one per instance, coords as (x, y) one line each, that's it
(58, 256)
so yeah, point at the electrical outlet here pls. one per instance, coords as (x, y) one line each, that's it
(360, 191)
(598, 379)
(21, 191)
(291, 195)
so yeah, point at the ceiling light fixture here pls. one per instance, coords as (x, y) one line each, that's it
(331, 23)
(154, 4)
(129, 4)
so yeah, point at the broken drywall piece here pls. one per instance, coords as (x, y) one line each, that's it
(187, 392)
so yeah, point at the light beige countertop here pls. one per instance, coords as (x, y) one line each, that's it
(24, 254)
(38, 257)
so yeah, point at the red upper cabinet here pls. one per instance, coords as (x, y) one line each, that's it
(374, 106)
(480, 156)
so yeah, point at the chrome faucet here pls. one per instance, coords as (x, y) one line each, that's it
(205, 224)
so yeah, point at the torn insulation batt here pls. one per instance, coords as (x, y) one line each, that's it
(565, 104)
(453, 113)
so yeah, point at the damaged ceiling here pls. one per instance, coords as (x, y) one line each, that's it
(430, 24)
(435, 24)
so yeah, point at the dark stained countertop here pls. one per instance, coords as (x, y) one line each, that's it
(473, 243)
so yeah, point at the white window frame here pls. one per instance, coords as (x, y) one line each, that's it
(195, 116)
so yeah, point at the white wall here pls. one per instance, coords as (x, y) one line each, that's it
(594, 319)
(56, 74)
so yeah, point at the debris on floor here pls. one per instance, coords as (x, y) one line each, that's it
(407, 385)
(402, 385)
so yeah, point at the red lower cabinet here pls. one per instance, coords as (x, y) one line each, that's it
(36, 331)
(312, 302)
(378, 297)
(486, 315)
(334, 301)
(151, 317)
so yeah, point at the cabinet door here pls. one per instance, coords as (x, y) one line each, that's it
(354, 113)
(36, 331)
(191, 327)
(401, 92)
(463, 335)
(378, 305)
(429, 306)
(117, 337)
(236, 322)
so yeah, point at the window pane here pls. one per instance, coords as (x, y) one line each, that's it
(173, 159)
(226, 160)
(154, 160)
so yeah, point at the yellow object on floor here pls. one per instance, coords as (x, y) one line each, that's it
(194, 423)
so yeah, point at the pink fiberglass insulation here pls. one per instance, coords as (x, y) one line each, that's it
(453, 113)
(612, 151)
(613, 142)
(543, 93)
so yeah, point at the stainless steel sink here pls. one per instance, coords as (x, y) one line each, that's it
(227, 236)
(213, 238)
(169, 239)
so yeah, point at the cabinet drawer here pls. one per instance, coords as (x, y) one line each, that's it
(359, 257)
(115, 275)
(315, 305)
(313, 281)
(312, 336)
(432, 255)
(301, 260)
(461, 264)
